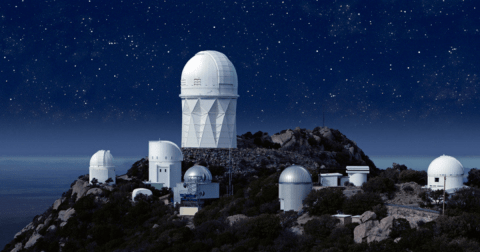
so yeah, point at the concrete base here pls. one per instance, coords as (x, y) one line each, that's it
(188, 211)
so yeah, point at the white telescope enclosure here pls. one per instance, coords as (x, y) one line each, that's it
(140, 191)
(445, 170)
(294, 184)
(209, 92)
(101, 167)
(164, 163)
(357, 175)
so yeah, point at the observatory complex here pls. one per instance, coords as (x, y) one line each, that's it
(445, 170)
(209, 92)
(294, 184)
(101, 167)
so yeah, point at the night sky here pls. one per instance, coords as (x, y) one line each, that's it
(397, 77)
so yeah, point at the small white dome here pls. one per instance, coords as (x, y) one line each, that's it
(197, 173)
(295, 174)
(140, 191)
(164, 151)
(102, 158)
(445, 165)
(209, 73)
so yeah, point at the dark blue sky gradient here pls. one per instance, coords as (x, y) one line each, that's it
(397, 77)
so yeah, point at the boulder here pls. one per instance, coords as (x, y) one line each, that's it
(63, 224)
(28, 227)
(64, 215)
(51, 228)
(39, 227)
(361, 232)
(284, 137)
(234, 218)
(368, 215)
(58, 202)
(155, 226)
(94, 191)
(17, 248)
(80, 188)
(33, 239)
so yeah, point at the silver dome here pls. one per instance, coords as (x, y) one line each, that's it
(197, 173)
(295, 174)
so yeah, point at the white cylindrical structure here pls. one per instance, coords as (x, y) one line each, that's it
(101, 167)
(140, 191)
(294, 184)
(209, 92)
(357, 179)
(445, 166)
(164, 163)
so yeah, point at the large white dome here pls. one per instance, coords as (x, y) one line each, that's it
(102, 158)
(447, 165)
(209, 73)
(295, 174)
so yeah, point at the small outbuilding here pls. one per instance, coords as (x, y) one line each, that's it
(330, 179)
(357, 175)
(101, 167)
(140, 191)
(294, 184)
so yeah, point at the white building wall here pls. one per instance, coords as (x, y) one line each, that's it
(102, 175)
(358, 178)
(209, 122)
(451, 183)
(292, 195)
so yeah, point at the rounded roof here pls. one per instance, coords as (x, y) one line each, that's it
(102, 158)
(295, 174)
(209, 73)
(165, 150)
(445, 165)
(197, 173)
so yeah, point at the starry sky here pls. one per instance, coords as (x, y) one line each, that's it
(397, 77)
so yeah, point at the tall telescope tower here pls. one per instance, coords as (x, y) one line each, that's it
(209, 92)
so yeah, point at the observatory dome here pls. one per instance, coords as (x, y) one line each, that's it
(209, 73)
(197, 173)
(295, 174)
(165, 151)
(447, 165)
(102, 158)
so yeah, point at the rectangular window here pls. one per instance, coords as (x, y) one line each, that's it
(165, 170)
(160, 170)
(437, 179)
(197, 82)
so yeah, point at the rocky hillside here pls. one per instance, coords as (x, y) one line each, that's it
(319, 149)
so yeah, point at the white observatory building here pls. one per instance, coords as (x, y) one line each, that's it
(445, 170)
(138, 191)
(164, 164)
(294, 184)
(197, 185)
(209, 92)
(101, 167)
(357, 175)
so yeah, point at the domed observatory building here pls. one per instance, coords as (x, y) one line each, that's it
(294, 185)
(101, 167)
(138, 191)
(197, 185)
(445, 170)
(209, 92)
(164, 164)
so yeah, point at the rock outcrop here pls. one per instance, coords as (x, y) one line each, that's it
(371, 229)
